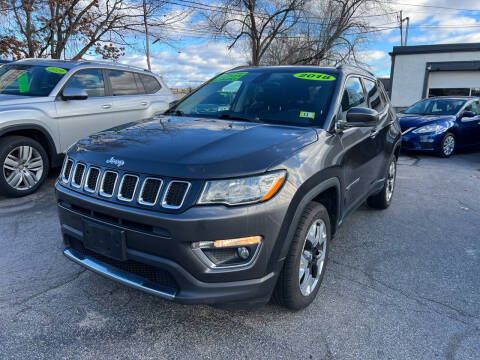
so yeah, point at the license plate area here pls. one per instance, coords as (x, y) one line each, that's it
(105, 240)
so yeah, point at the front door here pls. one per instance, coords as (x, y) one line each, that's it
(470, 126)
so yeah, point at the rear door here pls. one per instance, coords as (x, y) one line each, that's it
(360, 147)
(79, 118)
(129, 98)
(470, 127)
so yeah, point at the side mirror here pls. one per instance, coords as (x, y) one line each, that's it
(74, 94)
(468, 114)
(359, 117)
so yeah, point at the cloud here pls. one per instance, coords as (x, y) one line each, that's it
(368, 56)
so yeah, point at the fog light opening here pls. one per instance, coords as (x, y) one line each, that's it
(243, 253)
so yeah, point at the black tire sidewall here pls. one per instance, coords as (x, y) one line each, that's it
(294, 299)
(8, 144)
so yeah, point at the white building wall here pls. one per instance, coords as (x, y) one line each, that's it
(409, 73)
(454, 79)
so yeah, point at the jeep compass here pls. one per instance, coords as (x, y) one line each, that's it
(234, 194)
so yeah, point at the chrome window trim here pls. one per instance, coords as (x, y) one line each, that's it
(120, 196)
(103, 193)
(73, 183)
(85, 185)
(165, 205)
(140, 198)
(64, 179)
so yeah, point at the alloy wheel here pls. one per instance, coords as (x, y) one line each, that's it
(448, 145)
(391, 180)
(23, 167)
(312, 259)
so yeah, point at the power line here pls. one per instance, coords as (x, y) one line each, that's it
(434, 6)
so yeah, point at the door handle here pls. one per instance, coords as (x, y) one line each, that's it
(373, 133)
(106, 106)
(144, 103)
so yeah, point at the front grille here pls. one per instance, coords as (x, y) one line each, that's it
(91, 181)
(175, 194)
(150, 191)
(67, 170)
(149, 272)
(128, 186)
(78, 175)
(108, 183)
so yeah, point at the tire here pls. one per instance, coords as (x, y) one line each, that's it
(23, 166)
(383, 199)
(448, 145)
(290, 290)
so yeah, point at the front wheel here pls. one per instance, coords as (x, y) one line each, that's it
(447, 147)
(304, 266)
(23, 166)
(383, 199)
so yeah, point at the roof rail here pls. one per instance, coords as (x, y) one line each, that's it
(104, 62)
(343, 66)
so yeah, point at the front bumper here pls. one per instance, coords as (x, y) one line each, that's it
(421, 142)
(159, 255)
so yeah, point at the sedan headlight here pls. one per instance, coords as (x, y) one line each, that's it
(432, 128)
(245, 190)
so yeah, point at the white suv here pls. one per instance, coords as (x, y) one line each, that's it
(47, 105)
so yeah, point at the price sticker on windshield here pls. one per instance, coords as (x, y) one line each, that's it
(315, 76)
(56, 70)
(230, 76)
(307, 114)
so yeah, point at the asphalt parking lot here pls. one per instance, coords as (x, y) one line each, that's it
(401, 284)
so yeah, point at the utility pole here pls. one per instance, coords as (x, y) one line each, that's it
(401, 19)
(147, 40)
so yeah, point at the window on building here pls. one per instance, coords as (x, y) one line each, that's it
(475, 92)
(90, 80)
(448, 92)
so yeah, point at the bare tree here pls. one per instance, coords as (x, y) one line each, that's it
(259, 22)
(330, 32)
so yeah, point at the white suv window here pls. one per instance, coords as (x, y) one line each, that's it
(90, 80)
(123, 82)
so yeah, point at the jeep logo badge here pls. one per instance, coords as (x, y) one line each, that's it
(116, 162)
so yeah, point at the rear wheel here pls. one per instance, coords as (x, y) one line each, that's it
(383, 199)
(448, 145)
(23, 166)
(304, 266)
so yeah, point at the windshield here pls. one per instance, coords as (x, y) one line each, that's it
(29, 80)
(285, 97)
(436, 107)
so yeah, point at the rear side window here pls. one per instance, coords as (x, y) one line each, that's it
(150, 83)
(353, 95)
(375, 98)
(90, 80)
(123, 82)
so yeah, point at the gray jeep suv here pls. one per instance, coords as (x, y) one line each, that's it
(234, 194)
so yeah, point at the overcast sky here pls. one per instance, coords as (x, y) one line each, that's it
(190, 60)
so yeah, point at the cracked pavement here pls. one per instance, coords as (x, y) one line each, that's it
(400, 284)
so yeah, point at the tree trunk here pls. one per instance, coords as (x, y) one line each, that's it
(147, 41)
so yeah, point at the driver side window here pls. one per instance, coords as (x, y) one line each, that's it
(474, 107)
(353, 95)
(89, 80)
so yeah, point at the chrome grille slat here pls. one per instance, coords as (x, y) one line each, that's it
(108, 188)
(67, 170)
(175, 200)
(125, 187)
(78, 175)
(93, 175)
(142, 197)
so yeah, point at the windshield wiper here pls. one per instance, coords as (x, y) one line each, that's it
(230, 117)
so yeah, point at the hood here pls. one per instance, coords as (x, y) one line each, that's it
(21, 100)
(193, 148)
(414, 121)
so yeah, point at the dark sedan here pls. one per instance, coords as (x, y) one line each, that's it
(441, 125)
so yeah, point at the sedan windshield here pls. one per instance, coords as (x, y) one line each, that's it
(436, 107)
(29, 80)
(280, 97)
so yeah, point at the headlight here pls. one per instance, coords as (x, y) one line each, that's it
(428, 129)
(245, 190)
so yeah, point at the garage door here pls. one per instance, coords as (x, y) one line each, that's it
(451, 83)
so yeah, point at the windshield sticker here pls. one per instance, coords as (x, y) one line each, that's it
(307, 114)
(56, 70)
(315, 76)
(23, 85)
(230, 76)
